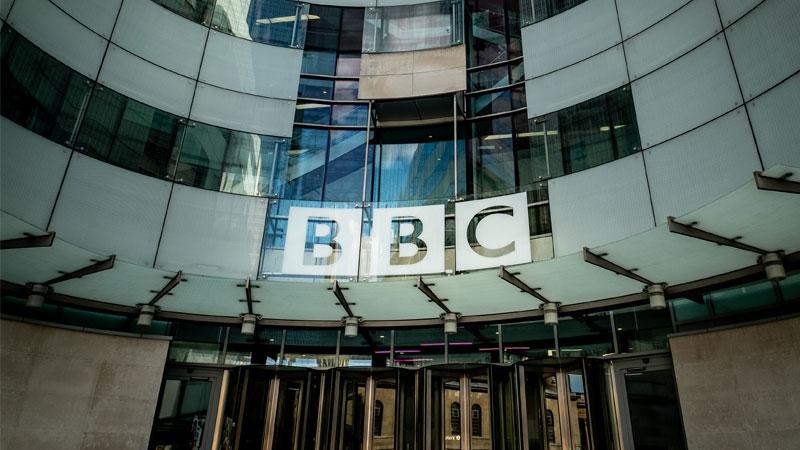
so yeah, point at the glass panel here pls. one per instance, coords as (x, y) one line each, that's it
(527, 340)
(348, 64)
(182, 414)
(504, 410)
(352, 416)
(493, 102)
(640, 328)
(446, 413)
(383, 424)
(350, 114)
(229, 161)
(303, 171)
(38, 92)
(488, 32)
(480, 412)
(128, 133)
(492, 157)
(410, 27)
(488, 78)
(552, 421)
(288, 414)
(578, 415)
(197, 10)
(542, 9)
(580, 137)
(352, 29)
(344, 176)
(273, 22)
(310, 348)
(586, 335)
(534, 414)
(346, 90)
(319, 62)
(654, 410)
(414, 164)
(310, 112)
(315, 88)
(749, 296)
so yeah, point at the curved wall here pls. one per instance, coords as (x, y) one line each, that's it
(700, 141)
(703, 75)
(155, 56)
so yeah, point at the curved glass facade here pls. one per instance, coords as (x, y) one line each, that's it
(274, 22)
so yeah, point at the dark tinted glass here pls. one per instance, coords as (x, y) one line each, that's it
(304, 167)
(350, 114)
(39, 92)
(490, 103)
(352, 30)
(488, 78)
(128, 133)
(492, 156)
(488, 32)
(346, 90)
(315, 88)
(345, 169)
(319, 62)
(579, 137)
(313, 113)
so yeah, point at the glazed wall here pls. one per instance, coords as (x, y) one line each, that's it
(706, 109)
(702, 74)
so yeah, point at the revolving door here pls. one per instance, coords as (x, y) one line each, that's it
(541, 405)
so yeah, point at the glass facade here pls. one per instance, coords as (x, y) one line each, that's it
(274, 22)
(413, 27)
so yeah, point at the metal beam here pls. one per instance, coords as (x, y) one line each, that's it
(777, 184)
(509, 277)
(694, 232)
(337, 291)
(425, 288)
(29, 241)
(167, 287)
(599, 261)
(98, 266)
(248, 292)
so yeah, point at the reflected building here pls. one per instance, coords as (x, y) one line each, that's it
(399, 224)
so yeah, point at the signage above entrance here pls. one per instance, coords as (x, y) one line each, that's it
(406, 241)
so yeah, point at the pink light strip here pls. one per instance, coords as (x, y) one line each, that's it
(386, 352)
(441, 344)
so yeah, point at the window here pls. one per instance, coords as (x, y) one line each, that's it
(274, 22)
(455, 418)
(38, 92)
(378, 419)
(413, 27)
(477, 420)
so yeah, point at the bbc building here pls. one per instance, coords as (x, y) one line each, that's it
(400, 224)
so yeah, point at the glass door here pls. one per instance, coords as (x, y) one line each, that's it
(648, 409)
(554, 406)
(187, 410)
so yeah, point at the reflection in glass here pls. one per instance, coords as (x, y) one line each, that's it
(412, 27)
(538, 10)
(654, 410)
(580, 137)
(488, 32)
(578, 415)
(197, 10)
(350, 114)
(288, 414)
(480, 412)
(315, 88)
(351, 432)
(127, 133)
(229, 161)
(315, 113)
(38, 92)
(274, 22)
(182, 415)
(414, 164)
(303, 170)
(345, 168)
(492, 156)
(383, 420)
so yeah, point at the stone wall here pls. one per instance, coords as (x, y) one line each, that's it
(63, 389)
(740, 388)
